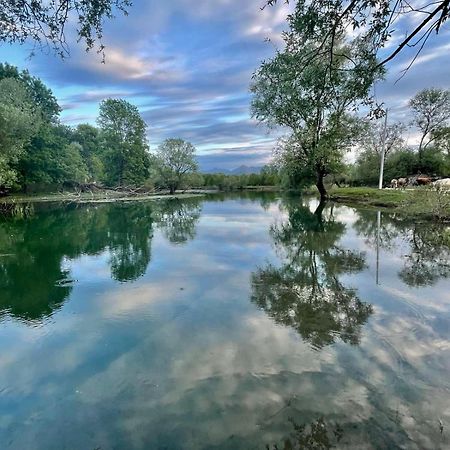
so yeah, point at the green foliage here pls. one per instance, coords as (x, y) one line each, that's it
(45, 22)
(374, 20)
(19, 121)
(73, 167)
(125, 143)
(44, 160)
(311, 94)
(41, 96)
(89, 138)
(431, 112)
(175, 162)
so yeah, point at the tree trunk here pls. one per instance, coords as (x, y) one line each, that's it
(321, 187)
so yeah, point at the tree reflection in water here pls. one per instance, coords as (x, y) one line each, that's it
(427, 255)
(305, 291)
(318, 435)
(35, 251)
(177, 218)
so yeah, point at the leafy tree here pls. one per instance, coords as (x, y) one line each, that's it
(73, 167)
(45, 158)
(375, 133)
(371, 145)
(19, 121)
(125, 142)
(175, 160)
(41, 96)
(89, 138)
(375, 20)
(45, 22)
(431, 111)
(311, 97)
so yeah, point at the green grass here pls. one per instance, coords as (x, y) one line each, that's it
(420, 202)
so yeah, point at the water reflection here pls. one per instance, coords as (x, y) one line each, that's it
(425, 247)
(318, 435)
(36, 251)
(180, 358)
(178, 218)
(305, 292)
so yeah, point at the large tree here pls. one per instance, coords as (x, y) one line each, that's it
(405, 24)
(19, 121)
(175, 160)
(431, 115)
(125, 142)
(44, 22)
(312, 97)
(89, 138)
(41, 96)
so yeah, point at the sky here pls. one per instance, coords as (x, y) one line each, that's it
(187, 66)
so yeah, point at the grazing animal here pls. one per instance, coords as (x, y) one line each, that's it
(402, 182)
(443, 183)
(423, 180)
(394, 183)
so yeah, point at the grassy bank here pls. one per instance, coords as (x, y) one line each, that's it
(420, 202)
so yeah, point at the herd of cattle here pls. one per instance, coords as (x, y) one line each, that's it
(420, 180)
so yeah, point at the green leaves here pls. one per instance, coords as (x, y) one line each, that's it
(125, 143)
(19, 121)
(175, 161)
(45, 22)
(312, 86)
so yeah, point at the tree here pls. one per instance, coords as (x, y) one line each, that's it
(44, 160)
(73, 167)
(376, 20)
(312, 100)
(89, 138)
(19, 121)
(367, 167)
(125, 142)
(45, 22)
(41, 96)
(431, 112)
(175, 160)
(375, 133)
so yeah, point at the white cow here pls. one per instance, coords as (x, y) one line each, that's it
(444, 183)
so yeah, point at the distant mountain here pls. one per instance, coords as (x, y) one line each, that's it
(241, 170)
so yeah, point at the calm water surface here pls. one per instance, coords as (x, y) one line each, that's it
(242, 322)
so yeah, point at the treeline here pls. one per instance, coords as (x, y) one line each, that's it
(430, 112)
(268, 176)
(38, 152)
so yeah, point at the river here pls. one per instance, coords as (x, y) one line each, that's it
(248, 321)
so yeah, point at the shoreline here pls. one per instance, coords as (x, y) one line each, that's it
(419, 203)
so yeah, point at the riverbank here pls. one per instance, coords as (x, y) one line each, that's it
(420, 202)
(68, 197)
(112, 196)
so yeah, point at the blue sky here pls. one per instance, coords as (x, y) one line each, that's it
(187, 65)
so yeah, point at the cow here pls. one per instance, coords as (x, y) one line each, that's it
(394, 183)
(443, 183)
(423, 180)
(402, 182)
